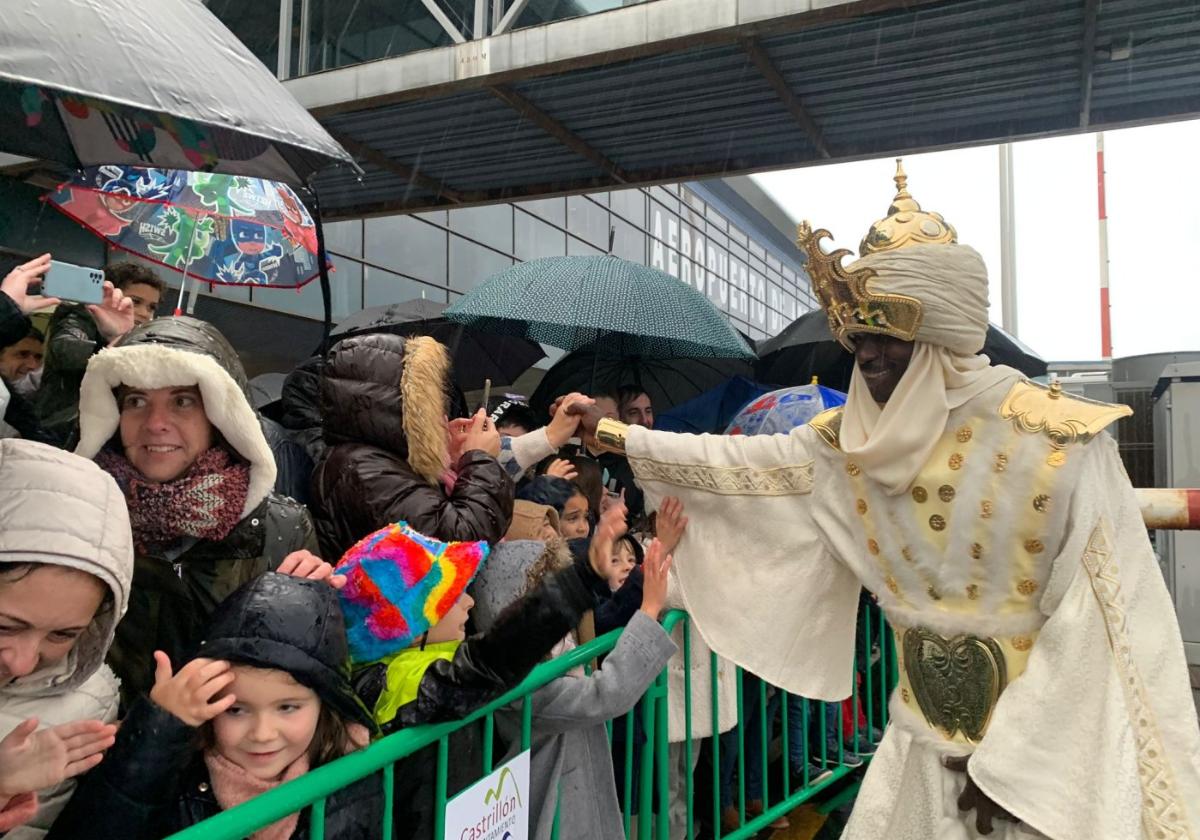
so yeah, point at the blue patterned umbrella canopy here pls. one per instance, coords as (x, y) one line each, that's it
(627, 309)
(781, 411)
(222, 229)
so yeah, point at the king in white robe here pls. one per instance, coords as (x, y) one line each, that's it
(1020, 544)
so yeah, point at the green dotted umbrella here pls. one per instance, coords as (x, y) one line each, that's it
(625, 308)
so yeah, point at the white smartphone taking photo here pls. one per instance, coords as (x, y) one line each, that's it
(73, 282)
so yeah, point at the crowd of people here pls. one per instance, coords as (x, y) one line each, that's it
(198, 604)
(248, 599)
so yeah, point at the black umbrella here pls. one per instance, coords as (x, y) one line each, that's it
(668, 382)
(806, 348)
(477, 355)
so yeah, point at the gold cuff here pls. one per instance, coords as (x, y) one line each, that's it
(610, 435)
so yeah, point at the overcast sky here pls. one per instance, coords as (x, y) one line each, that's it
(1153, 192)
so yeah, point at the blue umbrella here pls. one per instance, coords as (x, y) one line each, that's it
(781, 411)
(712, 411)
(618, 306)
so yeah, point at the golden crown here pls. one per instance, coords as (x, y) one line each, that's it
(843, 294)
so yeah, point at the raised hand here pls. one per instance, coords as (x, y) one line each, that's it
(973, 799)
(655, 569)
(565, 415)
(114, 314)
(33, 759)
(560, 468)
(670, 523)
(608, 529)
(189, 694)
(16, 285)
(305, 564)
(482, 435)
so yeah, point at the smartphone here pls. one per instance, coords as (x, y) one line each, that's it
(73, 282)
(487, 394)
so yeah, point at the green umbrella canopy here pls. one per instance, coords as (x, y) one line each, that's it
(626, 308)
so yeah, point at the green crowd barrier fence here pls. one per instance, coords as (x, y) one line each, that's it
(665, 784)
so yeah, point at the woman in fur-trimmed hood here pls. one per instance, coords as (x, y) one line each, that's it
(165, 413)
(392, 455)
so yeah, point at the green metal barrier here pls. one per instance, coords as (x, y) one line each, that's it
(653, 794)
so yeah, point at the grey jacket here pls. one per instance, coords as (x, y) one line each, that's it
(570, 745)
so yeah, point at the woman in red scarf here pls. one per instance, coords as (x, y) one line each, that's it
(165, 412)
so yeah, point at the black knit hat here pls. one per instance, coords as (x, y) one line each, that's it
(289, 624)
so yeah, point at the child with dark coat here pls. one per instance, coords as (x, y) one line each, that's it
(269, 699)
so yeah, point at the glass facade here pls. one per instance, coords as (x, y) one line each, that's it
(445, 254)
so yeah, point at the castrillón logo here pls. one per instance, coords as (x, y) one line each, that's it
(495, 794)
(506, 805)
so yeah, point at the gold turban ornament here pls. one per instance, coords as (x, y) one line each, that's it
(844, 293)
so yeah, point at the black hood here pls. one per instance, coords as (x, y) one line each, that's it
(289, 624)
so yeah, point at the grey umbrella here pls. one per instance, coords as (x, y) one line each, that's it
(162, 84)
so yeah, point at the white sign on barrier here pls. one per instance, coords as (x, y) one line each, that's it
(494, 808)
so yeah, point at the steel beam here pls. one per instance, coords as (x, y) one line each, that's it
(510, 17)
(1087, 61)
(408, 173)
(443, 21)
(283, 55)
(786, 95)
(560, 132)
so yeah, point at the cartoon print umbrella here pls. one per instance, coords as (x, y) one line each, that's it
(223, 229)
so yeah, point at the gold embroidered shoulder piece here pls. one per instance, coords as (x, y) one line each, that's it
(828, 424)
(1063, 418)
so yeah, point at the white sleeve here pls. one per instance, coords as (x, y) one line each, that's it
(763, 589)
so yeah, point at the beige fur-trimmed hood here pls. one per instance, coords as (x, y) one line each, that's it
(391, 392)
(174, 353)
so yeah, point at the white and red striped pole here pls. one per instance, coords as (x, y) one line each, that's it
(1105, 322)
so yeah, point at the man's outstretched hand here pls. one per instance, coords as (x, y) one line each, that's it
(973, 799)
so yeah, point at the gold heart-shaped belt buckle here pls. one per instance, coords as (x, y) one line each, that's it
(956, 682)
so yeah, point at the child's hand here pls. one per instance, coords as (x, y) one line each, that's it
(611, 526)
(188, 694)
(560, 468)
(305, 564)
(18, 810)
(33, 759)
(655, 568)
(670, 524)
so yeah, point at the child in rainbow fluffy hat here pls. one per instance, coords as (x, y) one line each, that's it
(406, 610)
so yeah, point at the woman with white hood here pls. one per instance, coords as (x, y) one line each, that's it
(165, 412)
(66, 561)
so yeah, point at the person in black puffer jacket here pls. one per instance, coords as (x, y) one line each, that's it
(392, 455)
(300, 403)
(281, 640)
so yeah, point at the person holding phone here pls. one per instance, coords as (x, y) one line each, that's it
(19, 298)
(397, 452)
(80, 329)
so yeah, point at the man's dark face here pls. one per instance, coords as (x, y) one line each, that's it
(882, 361)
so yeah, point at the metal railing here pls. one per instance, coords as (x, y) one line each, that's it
(877, 672)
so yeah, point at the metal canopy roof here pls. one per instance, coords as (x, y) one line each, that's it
(739, 86)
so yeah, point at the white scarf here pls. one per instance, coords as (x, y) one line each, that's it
(893, 442)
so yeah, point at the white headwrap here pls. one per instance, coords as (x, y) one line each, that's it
(891, 443)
